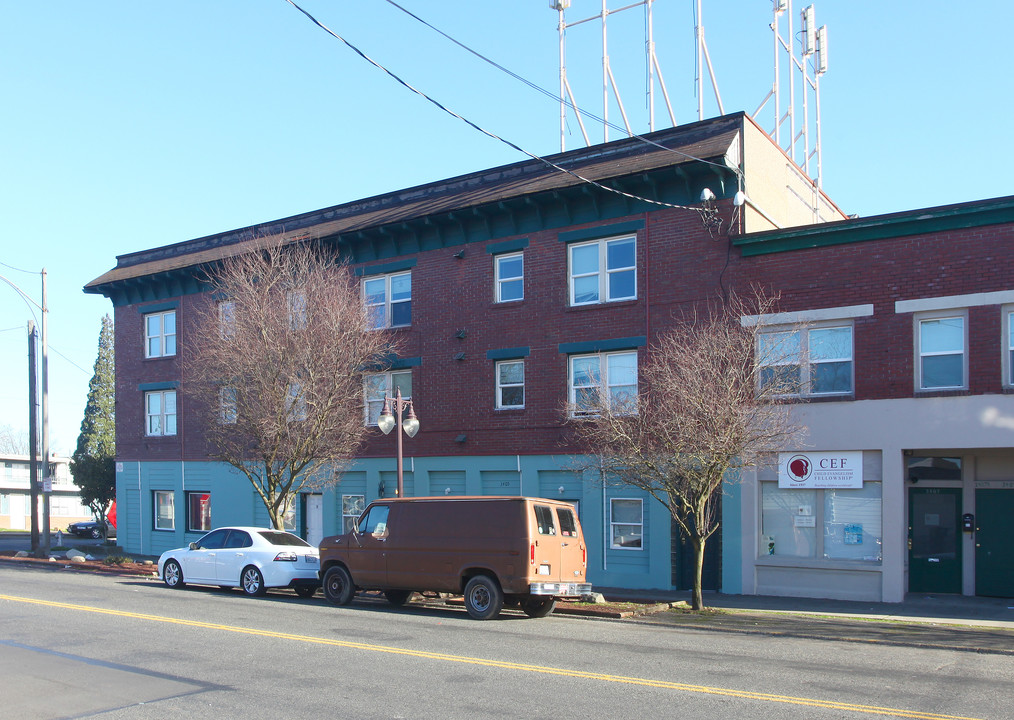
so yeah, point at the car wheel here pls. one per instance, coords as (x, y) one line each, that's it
(172, 574)
(536, 607)
(397, 597)
(305, 591)
(483, 598)
(96, 533)
(338, 586)
(252, 581)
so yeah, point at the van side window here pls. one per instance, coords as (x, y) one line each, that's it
(567, 525)
(544, 517)
(375, 521)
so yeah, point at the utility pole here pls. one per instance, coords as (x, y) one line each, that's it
(46, 477)
(33, 471)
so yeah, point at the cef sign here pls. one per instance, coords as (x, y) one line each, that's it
(816, 470)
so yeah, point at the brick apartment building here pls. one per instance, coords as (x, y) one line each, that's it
(511, 286)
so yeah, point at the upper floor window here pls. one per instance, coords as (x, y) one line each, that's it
(160, 334)
(510, 384)
(1008, 353)
(295, 403)
(510, 277)
(296, 301)
(160, 412)
(941, 352)
(603, 270)
(227, 318)
(388, 300)
(807, 361)
(228, 403)
(603, 380)
(378, 386)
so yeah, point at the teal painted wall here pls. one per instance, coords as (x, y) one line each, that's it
(233, 502)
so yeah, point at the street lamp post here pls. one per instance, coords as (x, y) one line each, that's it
(386, 422)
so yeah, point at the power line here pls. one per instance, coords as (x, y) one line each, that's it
(485, 132)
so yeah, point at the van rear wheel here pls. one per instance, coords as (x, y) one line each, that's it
(483, 598)
(537, 607)
(338, 586)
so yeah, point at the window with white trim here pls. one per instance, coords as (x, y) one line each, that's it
(388, 300)
(626, 523)
(296, 304)
(942, 358)
(352, 508)
(605, 379)
(1008, 345)
(603, 270)
(295, 403)
(226, 319)
(377, 386)
(510, 277)
(160, 412)
(228, 403)
(164, 510)
(160, 334)
(810, 361)
(510, 384)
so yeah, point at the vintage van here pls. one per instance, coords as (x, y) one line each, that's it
(493, 550)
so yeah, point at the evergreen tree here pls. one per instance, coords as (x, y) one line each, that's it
(93, 463)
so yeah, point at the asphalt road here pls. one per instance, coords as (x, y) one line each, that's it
(80, 645)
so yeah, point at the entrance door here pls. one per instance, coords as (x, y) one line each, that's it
(934, 540)
(314, 519)
(994, 543)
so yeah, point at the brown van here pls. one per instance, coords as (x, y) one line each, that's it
(493, 550)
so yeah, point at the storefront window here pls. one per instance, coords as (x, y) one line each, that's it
(839, 524)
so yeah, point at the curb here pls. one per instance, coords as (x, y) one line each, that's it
(86, 566)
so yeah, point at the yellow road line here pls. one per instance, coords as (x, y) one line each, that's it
(524, 667)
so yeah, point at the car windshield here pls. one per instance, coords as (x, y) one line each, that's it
(283, 538)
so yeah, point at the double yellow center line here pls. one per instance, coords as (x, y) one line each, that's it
(501, 664)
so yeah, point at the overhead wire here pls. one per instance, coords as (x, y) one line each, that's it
(480, 129)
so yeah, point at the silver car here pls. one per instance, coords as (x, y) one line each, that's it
(247, 557)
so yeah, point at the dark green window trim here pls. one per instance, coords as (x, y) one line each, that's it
(508, 353)
(157, 307)
(386, 268)
(626, 343)
(151, 387)
(507, 246)
(602, 231)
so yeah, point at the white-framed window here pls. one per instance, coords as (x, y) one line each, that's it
(160, 334)
(352, 508)
(228, 405)
(940, 349)
(198, 511)
(510, 277)
(626, 523)
(289, 516)
(388, 300)
(226, 318)
(377, 386)
(295, 403)
(810, 361)
(296, 302)
(605, 379)
(163, 504)
(510, 384)
(1008, 346)
(160, 412)
(603, 270)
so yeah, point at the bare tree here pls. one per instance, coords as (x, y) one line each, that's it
(13, 441)
(699, 416)
(277, 375)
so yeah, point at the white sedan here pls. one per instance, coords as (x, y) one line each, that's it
(247, 557)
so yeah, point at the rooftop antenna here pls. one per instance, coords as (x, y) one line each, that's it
(608, 81)
(808, 66)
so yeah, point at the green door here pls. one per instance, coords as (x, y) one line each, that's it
(934, 537)
(994, 543)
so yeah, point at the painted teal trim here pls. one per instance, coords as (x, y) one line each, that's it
(927, 221)
(157, 307)
(402, 363)
(170, 385)
(507, 246)
(508, 353)
(385, 268)
(601, 231)
(603, 345)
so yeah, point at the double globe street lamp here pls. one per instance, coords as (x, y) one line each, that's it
(387, 421)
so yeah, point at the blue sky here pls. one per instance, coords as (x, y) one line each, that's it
(127, 125)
